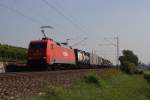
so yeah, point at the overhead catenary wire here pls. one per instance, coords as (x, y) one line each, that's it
(66, 17)
(69, 15)
(21, 14)
(52, 23)
(79, 41)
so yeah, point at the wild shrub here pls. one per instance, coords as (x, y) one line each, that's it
(129, 67)
(92, 79)
(129, 61)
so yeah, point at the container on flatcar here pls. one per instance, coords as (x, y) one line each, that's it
(99, 61)
(82, 57)
(93, 59)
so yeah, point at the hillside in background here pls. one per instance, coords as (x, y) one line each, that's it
(8, 52)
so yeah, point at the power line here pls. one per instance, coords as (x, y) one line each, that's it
(52, 22)
(21, 14)
(69, 15)
(66, 17)
(79, 42)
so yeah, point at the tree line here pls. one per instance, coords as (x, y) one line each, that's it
(8, 52)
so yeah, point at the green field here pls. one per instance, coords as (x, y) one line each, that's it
(104, 87)
(147, 75)
(147, 72)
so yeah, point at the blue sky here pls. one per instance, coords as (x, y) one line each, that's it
(97, 18)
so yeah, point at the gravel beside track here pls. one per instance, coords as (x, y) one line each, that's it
(13, 85)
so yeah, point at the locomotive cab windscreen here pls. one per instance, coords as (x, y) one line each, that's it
(37, 50)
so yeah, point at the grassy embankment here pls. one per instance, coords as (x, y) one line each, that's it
(8, 52)
(108, 86)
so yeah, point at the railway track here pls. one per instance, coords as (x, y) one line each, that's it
(14, 85)
(6, 67)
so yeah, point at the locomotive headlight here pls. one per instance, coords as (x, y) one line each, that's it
(30, 58)
(44, 57)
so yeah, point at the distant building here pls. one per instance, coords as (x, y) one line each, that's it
(144, 67)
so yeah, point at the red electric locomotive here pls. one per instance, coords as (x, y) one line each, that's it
(46, 53)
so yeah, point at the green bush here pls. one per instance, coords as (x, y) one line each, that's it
(129, 67)
(92, 78)
(129, 61)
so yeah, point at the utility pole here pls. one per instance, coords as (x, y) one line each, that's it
(117, 48)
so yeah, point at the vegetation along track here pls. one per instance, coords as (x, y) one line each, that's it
(13, 85)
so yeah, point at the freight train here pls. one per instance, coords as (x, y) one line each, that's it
(48, 54)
